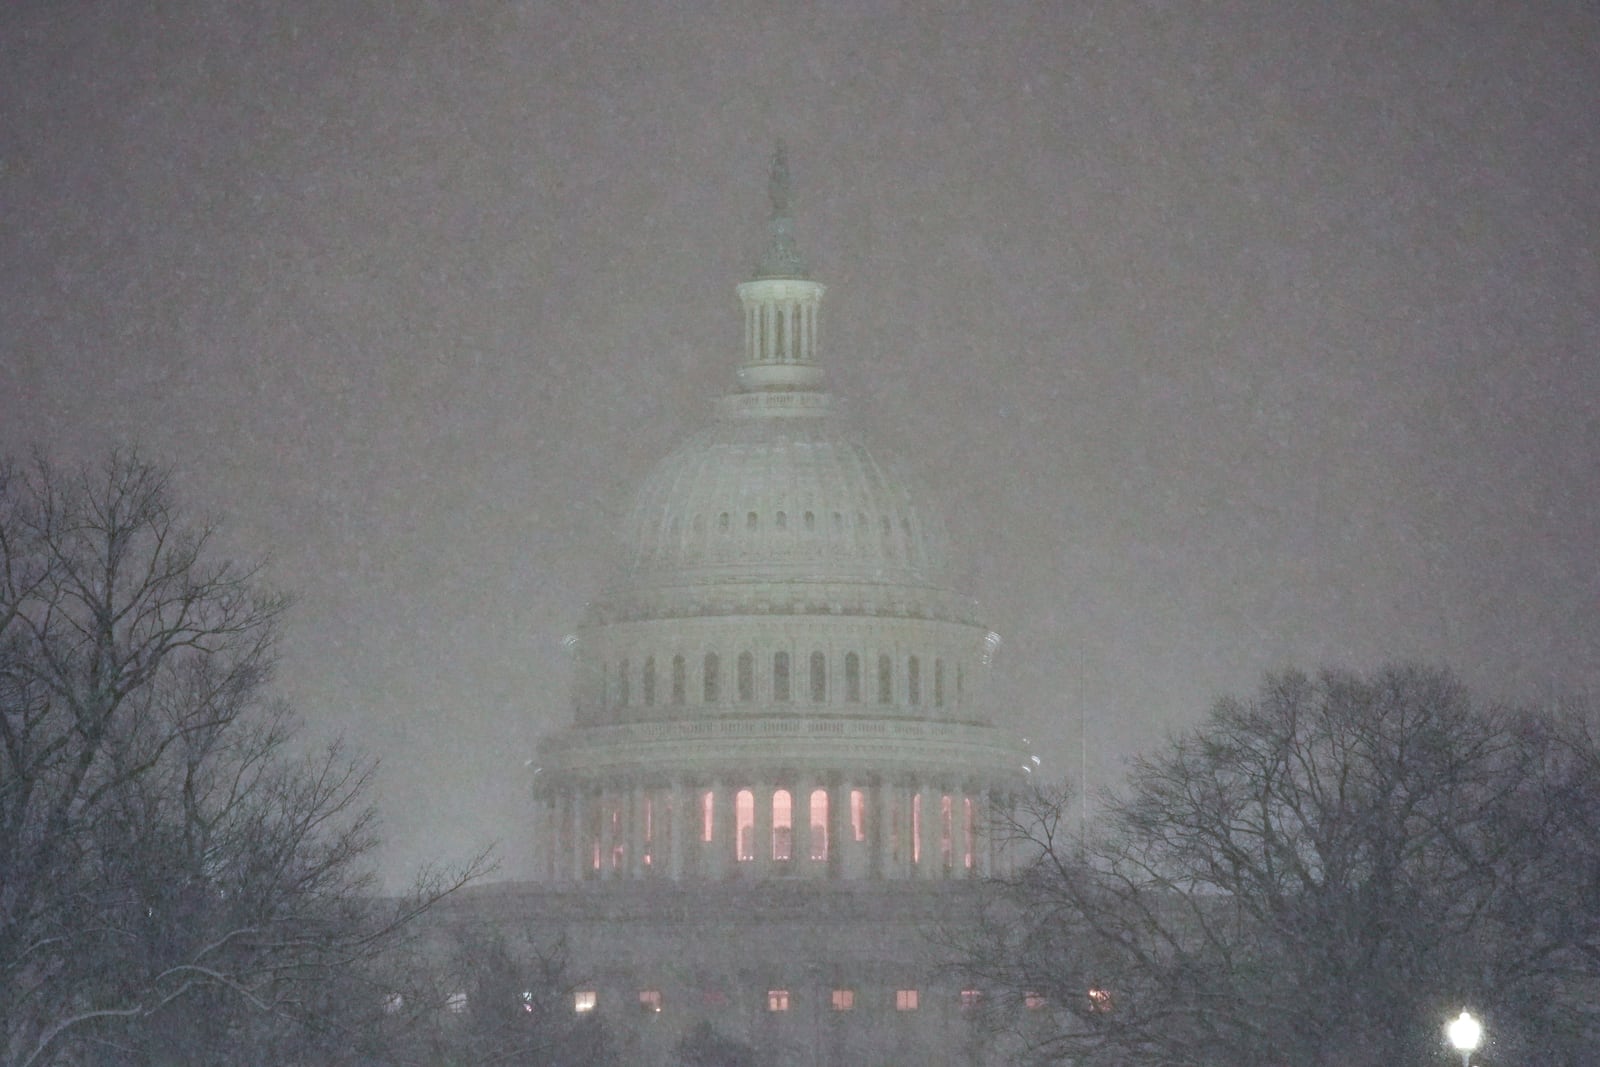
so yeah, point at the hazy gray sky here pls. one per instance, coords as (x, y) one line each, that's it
(1228, 336)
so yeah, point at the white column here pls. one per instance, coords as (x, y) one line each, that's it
(762, 865)
(683, 837)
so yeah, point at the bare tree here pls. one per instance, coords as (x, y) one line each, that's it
(173, 882)
(1320, 875)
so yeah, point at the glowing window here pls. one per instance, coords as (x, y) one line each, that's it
(679, 677)
(916, 827)
(707, 819)
(713, 685)
(885, 680)
(852, 678)
(649, 681)
(971, 998)
(777, 1000)
(456, 1003)
(648, 814)
(1099, 1000)
(947, 832)
(913, 680)
(819, 677)
(584, 1000)
(744, 821)
(393, 1003)
(527, 1000)
(858, 814)
(905, 1000)
(650, 1000)
(782, 825)
(938, 683)
(1033, 1001)
(971, 820)
(819, 824)
(780, 677)
(746, 677)
(844, 1000)
(622, 683)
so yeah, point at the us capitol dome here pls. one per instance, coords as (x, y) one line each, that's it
(782, 756)
(778, 680)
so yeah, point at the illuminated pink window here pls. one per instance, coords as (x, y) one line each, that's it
(707, 817)
(906, 1000)
(782, 825)
(858, 814)
(971, 822)
(647, 814)
(744, 821)
(947, 832)
(971, 998)
(819, 824)
(1033, 1001)
(777, 1000)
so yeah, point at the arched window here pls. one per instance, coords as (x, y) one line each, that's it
(699, 525)
(722, 522)
(971, 835)
(744, 821)
(708, 808)
(819, 825)
(938, 683)
(649, 681)
(913, 680)
(713, 684)
(746, 679)
(678, 679)
(750, 521)
(782, 825)
(783, 521)
(819, 678)
(852, 678)
(858, 814)
(947, 832)
(780, 677)
(622, 683)
(811, 521)
(885, 680)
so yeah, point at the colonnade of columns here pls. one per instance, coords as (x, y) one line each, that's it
(817, 827)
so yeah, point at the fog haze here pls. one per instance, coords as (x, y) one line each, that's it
(1226, 337)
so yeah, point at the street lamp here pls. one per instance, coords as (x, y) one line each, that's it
(1465, 1033)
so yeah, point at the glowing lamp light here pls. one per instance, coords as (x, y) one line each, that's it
(1465, 1033)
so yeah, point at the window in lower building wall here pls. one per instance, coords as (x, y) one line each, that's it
(1099, 1000)
(714, 998)
(777, 1000)
(584, 1000)
(1033, 1001)
(971, 998)
(905, 1000)
(707, 821)
(650, 1000)
(844, 1000)
(456, 1004)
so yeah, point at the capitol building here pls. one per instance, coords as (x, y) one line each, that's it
(782, 756)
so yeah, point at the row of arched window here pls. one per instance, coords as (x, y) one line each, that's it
(786, 682)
